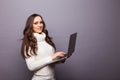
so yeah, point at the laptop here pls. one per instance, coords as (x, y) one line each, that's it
(71, 48)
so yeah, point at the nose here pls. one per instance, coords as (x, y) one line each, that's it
(39, 24)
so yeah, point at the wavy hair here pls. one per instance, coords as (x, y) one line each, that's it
(29, 42)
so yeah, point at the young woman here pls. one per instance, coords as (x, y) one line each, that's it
(38, 49)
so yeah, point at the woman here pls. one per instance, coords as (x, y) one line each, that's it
(38, 49)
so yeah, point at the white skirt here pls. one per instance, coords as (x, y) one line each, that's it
(41, 77)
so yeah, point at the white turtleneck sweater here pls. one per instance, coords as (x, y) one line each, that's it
(40, 63)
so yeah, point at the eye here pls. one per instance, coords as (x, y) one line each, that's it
(41, 22)
(36, 23)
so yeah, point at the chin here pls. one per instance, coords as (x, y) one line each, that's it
(40, 32)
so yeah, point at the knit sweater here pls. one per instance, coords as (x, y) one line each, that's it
(40, 63)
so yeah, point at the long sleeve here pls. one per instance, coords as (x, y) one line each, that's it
(34, 64)
(41, 63)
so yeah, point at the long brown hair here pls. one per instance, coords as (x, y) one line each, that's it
(29, 41)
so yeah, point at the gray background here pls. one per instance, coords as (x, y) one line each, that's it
(97, 55)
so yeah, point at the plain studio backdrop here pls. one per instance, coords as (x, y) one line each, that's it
(97, 22)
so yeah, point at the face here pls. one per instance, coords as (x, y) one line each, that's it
(37, 24)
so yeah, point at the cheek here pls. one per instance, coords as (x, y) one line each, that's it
(42, 27)
(34, 28)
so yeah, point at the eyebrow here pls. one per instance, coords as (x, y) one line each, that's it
(37, 21)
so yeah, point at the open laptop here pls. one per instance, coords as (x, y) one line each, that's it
(71, 48)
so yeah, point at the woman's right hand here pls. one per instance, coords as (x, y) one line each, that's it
(58, 54)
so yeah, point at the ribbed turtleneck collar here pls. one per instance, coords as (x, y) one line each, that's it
(40, 37)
